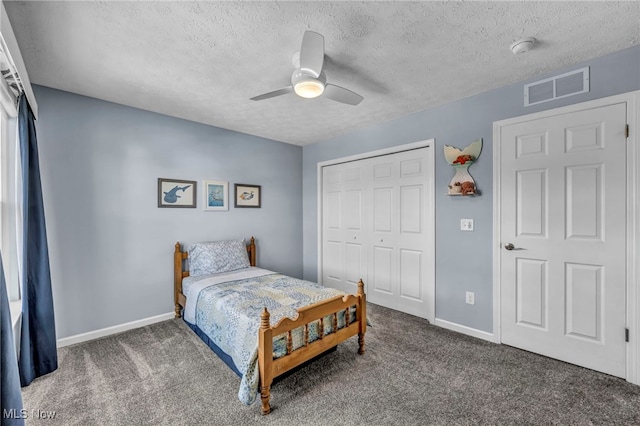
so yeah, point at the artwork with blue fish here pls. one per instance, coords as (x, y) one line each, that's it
(215, 195)
(172, 195)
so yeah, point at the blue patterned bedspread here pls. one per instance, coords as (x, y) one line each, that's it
(229, 313)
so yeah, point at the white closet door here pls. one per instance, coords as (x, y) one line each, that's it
(344, 259)
(374, 227)
(399, 244)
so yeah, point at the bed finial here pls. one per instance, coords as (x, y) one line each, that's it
(264, 319)
(177, 247)
(360, 287)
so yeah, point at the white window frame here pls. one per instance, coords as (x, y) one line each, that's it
(10, 211)
(10, 178)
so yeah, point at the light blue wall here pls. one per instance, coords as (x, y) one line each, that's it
(463, 259)
(111, 247)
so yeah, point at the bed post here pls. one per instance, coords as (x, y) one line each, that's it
(265, 360)
(362, 316)
(177, 278)
(252, 251)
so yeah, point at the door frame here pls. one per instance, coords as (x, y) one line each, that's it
(430, 224)
(632, 99)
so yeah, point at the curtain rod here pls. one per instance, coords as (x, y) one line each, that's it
(17, 68)
(8, 69)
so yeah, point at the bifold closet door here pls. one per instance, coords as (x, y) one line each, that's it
(398, 249)
(343, 227)
(374, 227)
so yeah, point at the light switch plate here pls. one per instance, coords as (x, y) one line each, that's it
(466, 224)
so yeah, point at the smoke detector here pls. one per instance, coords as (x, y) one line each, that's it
(522, 45)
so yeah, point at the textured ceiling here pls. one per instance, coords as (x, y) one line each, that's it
(202, 61)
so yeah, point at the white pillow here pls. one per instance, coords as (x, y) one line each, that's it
(217, 256)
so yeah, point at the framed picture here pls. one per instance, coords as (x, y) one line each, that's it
(216, 195)
(247, 195)
(176, 193)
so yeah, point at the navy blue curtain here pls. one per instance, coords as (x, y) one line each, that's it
(38, 355)
(11, 397)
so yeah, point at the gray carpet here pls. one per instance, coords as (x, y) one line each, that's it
(411, 374)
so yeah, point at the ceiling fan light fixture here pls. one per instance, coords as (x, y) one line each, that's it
(308, 80)
(309, 88)
(306, 85)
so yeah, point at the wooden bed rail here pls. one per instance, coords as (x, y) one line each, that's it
(271, 368)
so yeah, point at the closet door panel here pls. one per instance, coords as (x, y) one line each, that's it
(333, 267)
(382, 209)
(382, 275)
(410, 271)
(411, 209)
(352, 211)
(354, 256)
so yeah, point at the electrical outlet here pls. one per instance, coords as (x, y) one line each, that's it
(466, 224)
(471, 298)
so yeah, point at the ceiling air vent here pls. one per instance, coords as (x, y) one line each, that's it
(559, 86)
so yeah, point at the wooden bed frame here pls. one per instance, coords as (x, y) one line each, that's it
(271, 368)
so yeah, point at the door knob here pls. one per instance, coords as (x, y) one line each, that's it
(509, 246)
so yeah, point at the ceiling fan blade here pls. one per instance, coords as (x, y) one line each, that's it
(273, 94)
(340, 94)
(312, 53)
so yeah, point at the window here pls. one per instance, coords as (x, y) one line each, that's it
(10, 211)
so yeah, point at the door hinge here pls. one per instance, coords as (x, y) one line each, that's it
(626, 132)
(626, 334)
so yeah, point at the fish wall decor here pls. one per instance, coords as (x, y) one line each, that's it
(462, 182)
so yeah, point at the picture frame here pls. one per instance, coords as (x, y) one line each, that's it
(247, 196)
(177, 193)
(216, 195)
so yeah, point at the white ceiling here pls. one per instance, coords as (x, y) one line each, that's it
(202, 61)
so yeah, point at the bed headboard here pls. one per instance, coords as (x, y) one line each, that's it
(179, 272)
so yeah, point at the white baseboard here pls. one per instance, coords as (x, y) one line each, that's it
(84, 337)
(473, 332)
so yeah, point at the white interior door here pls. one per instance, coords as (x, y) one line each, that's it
(563, 237)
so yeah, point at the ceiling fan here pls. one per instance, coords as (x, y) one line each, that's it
(308, 79)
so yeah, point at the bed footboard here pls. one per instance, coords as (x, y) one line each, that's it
(271, 368)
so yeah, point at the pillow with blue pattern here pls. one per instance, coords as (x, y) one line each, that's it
(217, 256)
